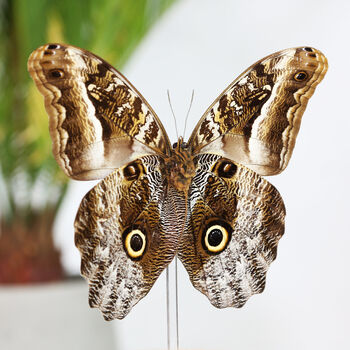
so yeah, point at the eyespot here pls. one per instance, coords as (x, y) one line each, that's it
(308, 49)
(300, 76)
(53, 46)
(133, 170)
(135, 243)
(175, 145)
(57, 73)
(225, 168)
(216, 236)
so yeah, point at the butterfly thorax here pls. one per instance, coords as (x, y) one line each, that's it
(180, 166)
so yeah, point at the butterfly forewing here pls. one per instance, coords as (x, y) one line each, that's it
(255, 121)
(98, 120)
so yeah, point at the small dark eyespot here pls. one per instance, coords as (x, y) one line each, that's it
(53, 46)
(215, 237)
(132, 171)
(57, 73)
(300, 76)
(312, 55)
(47, 53)
(308, 49)
(136, 242)
(175, 145)
(227, 169)
(184, 145)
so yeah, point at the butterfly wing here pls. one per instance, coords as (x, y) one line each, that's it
(127, 230)
(98, 120)
(235, 220)
(255, 121)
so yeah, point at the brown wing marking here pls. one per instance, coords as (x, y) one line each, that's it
(255, 121)
(127, 230)
(98, 120)
(234, 223)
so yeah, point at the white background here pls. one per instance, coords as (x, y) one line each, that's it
(203, 45)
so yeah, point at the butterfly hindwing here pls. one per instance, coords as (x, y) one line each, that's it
(234, 222)
(255, 121)
(127, 230)
(98, 120)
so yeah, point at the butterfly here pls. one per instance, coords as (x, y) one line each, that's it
(204, 200)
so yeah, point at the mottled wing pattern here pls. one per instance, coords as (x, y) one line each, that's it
(226, 227)
(255, 121)
(98, 120)
(234, 222)
(127, 230)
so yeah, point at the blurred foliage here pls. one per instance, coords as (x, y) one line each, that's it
(31, 183)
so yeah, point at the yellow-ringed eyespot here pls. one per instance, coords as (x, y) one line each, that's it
(134, 243)
(300, 76)
(216, 236)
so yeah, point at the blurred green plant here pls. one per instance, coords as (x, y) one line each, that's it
(31, 185)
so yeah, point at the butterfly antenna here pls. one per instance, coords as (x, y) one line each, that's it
(188, 113)
(172, 111)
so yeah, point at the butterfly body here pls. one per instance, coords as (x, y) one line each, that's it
(180, 168)
(204, 200)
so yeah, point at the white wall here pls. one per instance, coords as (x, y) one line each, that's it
(203, 45)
